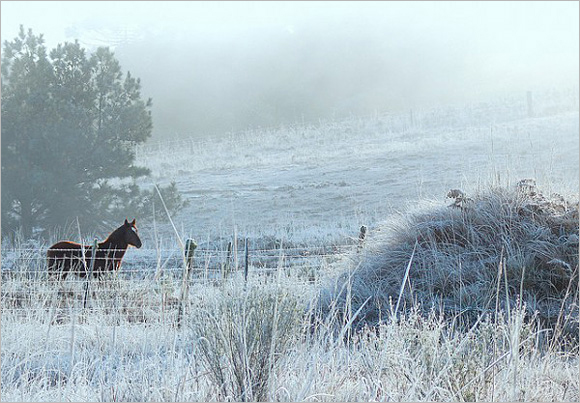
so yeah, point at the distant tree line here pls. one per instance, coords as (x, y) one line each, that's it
(70, 122)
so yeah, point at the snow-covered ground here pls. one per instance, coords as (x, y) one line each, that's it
(319, 183)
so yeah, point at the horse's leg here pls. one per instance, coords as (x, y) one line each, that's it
(66, 266)
(52, 273)
(61, 270)
(54, 268)
(63, 273)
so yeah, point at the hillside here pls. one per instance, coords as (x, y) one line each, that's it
(319, 184)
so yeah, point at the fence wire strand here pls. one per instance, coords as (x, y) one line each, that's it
(149, 280)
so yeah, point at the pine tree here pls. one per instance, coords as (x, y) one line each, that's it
(70, 123)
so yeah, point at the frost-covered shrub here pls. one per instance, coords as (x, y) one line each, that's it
(242, 335)
(481, 254)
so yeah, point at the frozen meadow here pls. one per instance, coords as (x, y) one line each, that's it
(320, 183)
(300, 194)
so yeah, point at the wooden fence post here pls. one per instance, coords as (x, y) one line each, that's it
(361, 237)
(247, 260)
(91, 268)
(190, 247)
(227, 267)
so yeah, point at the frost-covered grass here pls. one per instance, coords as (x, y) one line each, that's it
(264, 340)
(260, 340)
(500, 248)
(320, 183)
(255, 341)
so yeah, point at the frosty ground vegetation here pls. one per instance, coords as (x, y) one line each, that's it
(468, 298)
(264, 340)
(502, 248)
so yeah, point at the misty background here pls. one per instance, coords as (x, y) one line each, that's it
(215, 67)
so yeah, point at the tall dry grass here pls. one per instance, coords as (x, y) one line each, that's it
(242, 337)
(473, 322)
(255, 343)
(499, 249)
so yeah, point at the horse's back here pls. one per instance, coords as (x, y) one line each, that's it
(64, 246)
(62, 255)
(64, 249)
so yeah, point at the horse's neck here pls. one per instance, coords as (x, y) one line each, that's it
(116, 244)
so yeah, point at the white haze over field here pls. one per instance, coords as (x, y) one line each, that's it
(304, 120)
(214, 67)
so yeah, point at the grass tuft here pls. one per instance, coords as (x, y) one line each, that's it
(482, 254)
(242, 336)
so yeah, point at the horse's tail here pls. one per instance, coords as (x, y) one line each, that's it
(52, 263)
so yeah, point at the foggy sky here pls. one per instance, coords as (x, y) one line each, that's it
(212, 67)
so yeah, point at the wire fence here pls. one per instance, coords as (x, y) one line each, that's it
(152, 284)
(32, 260)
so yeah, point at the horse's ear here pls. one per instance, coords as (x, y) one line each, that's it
(126, 222)
(133, 222)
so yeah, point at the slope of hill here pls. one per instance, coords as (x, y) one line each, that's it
(311, 184)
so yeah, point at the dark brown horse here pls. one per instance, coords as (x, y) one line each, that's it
(70, 257)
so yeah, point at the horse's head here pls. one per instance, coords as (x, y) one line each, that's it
(131, 236)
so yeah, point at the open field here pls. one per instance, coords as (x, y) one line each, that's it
(319, 184)
(300, 195)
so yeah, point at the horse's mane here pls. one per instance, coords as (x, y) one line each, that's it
(115, 237)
